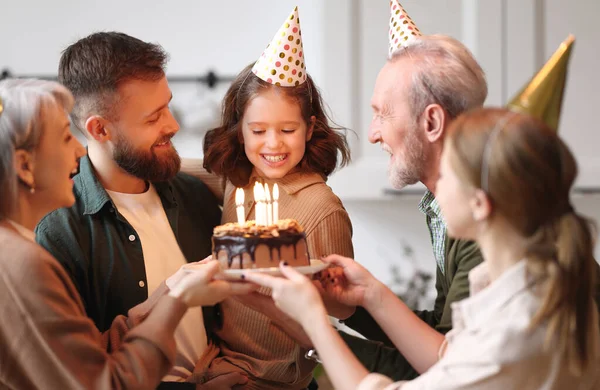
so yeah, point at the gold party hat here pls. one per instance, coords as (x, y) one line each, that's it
(542, 97)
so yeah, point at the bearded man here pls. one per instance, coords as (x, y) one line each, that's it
(136, 219)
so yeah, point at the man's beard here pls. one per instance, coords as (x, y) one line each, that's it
(408, 170)
(146, 165)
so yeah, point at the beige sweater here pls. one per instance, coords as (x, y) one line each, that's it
(251, 343)
(48, 342)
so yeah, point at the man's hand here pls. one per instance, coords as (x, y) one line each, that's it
(354, 287)
(324, 280)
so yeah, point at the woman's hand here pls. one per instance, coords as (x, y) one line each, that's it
(195, 285)
(294, 294)
(184, 270)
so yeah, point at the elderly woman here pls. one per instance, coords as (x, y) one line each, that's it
(46, 340)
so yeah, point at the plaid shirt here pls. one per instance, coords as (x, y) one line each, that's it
(436, 225)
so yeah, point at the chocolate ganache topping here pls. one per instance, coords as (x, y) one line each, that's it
(236, 239)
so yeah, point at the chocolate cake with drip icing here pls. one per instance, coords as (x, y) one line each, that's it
(256, 246)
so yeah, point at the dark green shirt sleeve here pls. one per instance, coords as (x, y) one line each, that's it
(463, 256)
(379, 358)
(56, 234)
(432, 317)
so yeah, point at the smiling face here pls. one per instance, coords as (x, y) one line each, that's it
(142, 131)
(56, 159)
(274, 134)
(393, 125)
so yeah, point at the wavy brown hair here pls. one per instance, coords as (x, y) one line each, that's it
(530, 174)
(224, 153)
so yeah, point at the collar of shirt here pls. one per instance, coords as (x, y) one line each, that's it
(429, 205)
(95, 197)
(476, 309)
(144, 202)
(290, 183)
(22, 230)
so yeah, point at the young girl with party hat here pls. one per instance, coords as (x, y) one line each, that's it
(531, 321)
(274, 130)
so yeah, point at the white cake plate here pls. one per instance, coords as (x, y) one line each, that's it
(236, 274)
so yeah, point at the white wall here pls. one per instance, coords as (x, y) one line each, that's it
(532, 32)
(223, 36)
(199, 35)
(345, 43)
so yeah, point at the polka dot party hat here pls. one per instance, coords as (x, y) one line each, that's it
(282, 62)
(402, 29)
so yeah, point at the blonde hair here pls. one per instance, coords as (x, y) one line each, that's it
(24, 103)
(530, 172)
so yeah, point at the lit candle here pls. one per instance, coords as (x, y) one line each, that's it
(263, 205)
(275, 203)
(258, 204)
(268, 205)
(239, 202)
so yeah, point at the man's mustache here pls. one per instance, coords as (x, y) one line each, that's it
(164, 139)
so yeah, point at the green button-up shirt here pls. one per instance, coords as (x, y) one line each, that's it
(436, 225)
(102, 252)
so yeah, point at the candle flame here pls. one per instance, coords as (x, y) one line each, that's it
(267, 193)
(239, 197)
(275, 192)
(258, 192)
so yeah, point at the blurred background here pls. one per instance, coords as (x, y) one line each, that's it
(345, 42)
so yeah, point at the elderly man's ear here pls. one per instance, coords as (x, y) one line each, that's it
(434, 121)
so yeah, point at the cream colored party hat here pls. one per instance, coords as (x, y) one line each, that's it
(282, 62)
(402, 29)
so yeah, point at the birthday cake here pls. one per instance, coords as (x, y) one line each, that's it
(249, 245)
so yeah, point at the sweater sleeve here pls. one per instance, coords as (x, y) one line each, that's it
(52, 344)
(332, 235)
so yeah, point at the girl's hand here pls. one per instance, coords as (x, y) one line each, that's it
(294, 294)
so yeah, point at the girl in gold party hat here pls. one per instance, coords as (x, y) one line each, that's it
(274, 130)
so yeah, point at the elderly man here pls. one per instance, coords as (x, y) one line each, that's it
(419, 91)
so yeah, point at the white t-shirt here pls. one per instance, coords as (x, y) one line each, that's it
(162, 258)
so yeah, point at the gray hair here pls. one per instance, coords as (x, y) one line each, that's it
(24, 103)
(447, 75)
